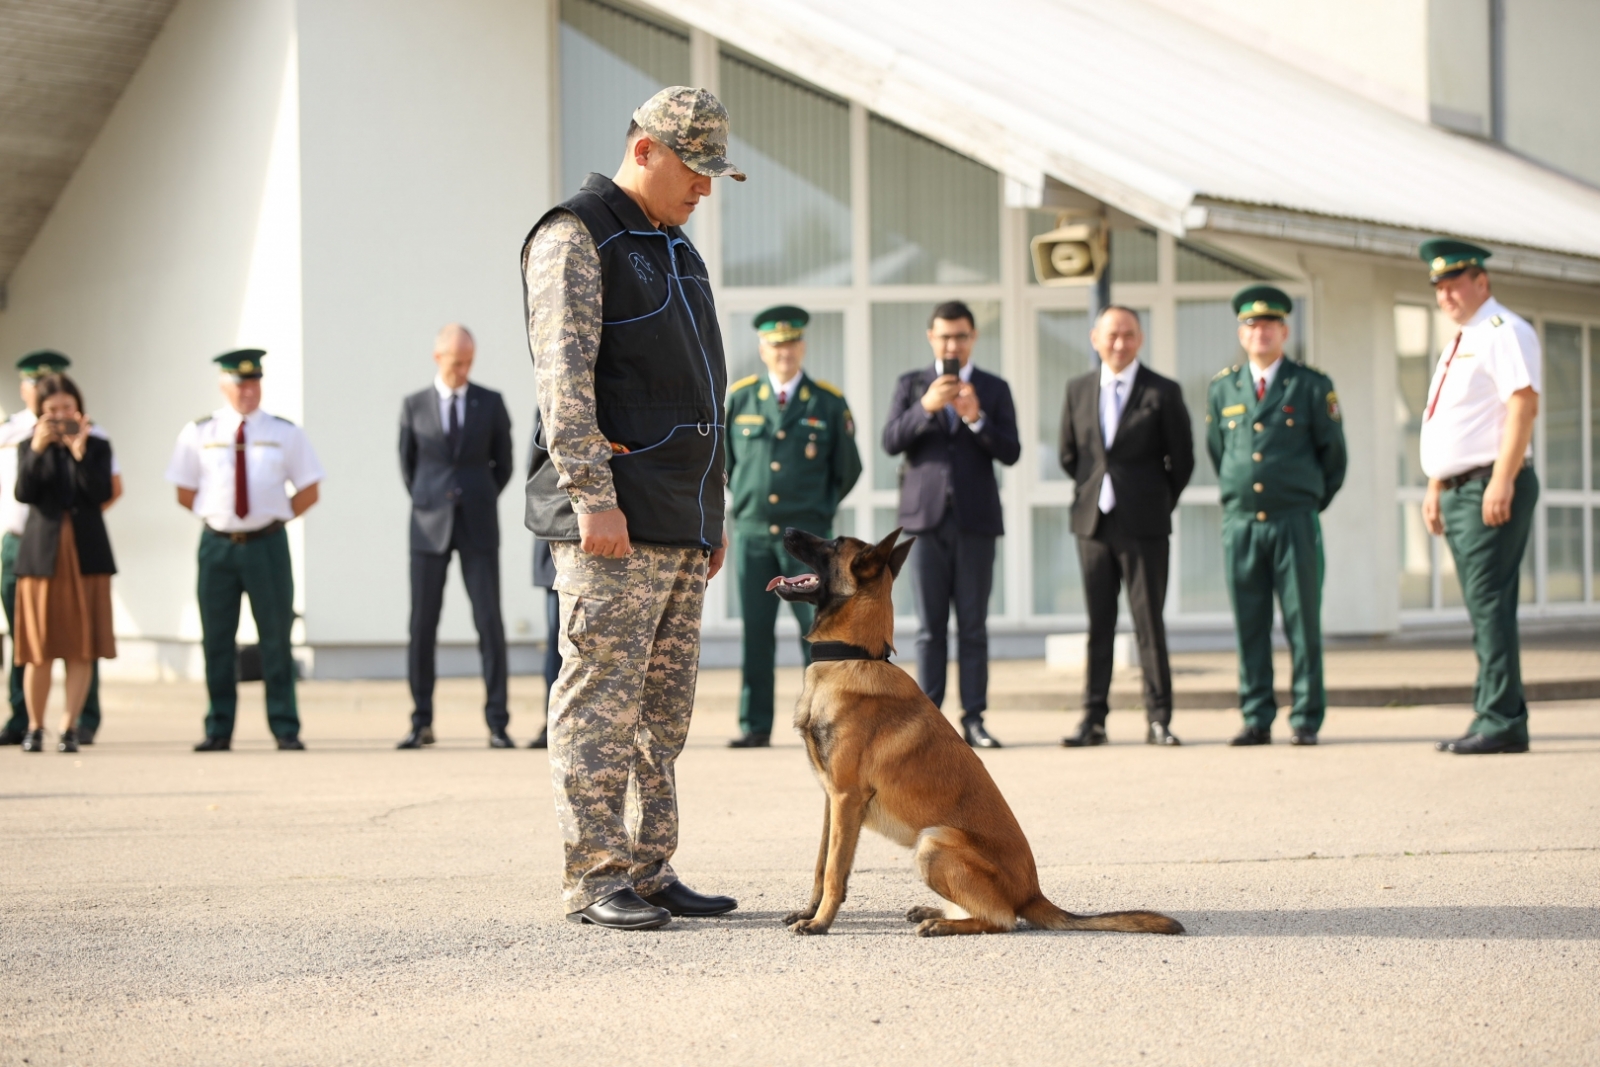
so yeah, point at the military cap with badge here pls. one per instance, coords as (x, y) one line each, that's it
(44, 361)
(242, 364)
(1261, 302)
(1446, 257)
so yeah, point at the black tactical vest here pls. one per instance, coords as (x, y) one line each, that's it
(659, 380)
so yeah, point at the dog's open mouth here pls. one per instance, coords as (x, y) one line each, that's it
(804, 583)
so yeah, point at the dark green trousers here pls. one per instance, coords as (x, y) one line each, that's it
(1488, 563)
(89, 721)
(261, 570)
(760, 557)
(1281, 555)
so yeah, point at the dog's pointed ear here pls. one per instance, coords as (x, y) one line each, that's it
(883, 547)
(897, 558)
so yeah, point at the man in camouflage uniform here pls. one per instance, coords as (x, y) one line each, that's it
(627, 486)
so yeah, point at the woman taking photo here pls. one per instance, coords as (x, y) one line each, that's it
(64, 564)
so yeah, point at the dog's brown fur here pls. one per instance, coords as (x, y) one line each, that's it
(890, 761)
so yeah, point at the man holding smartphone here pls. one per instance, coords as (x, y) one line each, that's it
(953, 422)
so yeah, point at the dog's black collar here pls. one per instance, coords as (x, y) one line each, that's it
(830, 650)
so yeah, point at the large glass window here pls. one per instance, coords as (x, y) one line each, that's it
(1057, 576)
(1064, 353)
(1202, 585)
(1208, 341)
(900, 344)
(1563, 406)
(1413, 370)
(935, 214)
(790, 223)
(1197, 264)
(1416, 559)
(1594, 412)
(612, 60)
(1563, 568)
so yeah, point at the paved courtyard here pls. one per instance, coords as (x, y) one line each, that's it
(1369, 901)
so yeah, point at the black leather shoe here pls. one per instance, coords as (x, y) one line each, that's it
(542, 741)
(1303, 737)
(498, 738)
(68, 742)
(626, 910)
(681, 900)
(85, 737)
(1481, 745)
(977, 736)
(751, 741)
(1252, 735)
(419, 736)
(1089, 734)
(215, 744)
(1158, 734)
(9, 736)
(33, 741)
(290, 744)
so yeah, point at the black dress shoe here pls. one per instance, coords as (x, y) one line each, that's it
(290, 744)
(1089, 734)
(33, 741)
(498, 738)
(1252, 735)
(9, 736)
(85, 737)
(214, 744)
(68, 742)
(419, 736)
(681, 900)
(1303, 737)
(542, 741)
(1481, 745)
(751, 741)
(626, 910)
(977, 736)
(1158, 734)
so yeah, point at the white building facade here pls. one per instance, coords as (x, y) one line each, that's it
(334, 180)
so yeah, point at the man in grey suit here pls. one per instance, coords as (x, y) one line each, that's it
(455, 455)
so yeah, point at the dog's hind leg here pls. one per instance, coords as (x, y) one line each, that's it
(844, 831)
(810, 911)
(961, 874)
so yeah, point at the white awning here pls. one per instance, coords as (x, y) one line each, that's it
(1157, 117)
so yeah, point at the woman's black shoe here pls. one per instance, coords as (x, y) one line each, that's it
(68, 742)
(34, 741)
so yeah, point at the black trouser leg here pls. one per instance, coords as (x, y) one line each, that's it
(1102, 581)
(481, 573)
(552, 646)
(1144, 565)
(974, 580)
(933, 561)
(428, 573)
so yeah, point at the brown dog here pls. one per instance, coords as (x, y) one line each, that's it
(890, 761)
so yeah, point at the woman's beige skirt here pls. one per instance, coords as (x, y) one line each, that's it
(66, 616)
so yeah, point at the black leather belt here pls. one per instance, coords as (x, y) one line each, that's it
(244, 537)
(1474, 475)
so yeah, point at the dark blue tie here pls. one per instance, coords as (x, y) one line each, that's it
(453, 434)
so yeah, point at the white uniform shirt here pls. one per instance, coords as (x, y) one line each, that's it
(1499, 354)
(1258, 376)
(785, 389)
(276, 452)
(1115, 388)
(15, 433)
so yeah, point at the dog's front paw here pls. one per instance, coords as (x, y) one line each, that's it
(917, 915)
(799, 916)
(933, 928)
(809, 927)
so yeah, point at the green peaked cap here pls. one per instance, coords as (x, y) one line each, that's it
(241, 362)
(1261, 302)
(782, 323)
(44, 361)
(1446, 257)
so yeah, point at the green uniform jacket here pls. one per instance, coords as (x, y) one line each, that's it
(789, 468)
(1283, 453)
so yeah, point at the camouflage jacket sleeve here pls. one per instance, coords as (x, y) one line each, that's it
(562, 271)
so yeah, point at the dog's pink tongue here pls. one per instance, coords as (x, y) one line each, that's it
(781, 580)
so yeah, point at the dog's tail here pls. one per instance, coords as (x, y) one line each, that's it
(1045, 915)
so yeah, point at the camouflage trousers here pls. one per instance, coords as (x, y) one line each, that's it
(619, 713)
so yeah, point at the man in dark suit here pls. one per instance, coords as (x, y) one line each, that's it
(952, 421)
(455, 455)
(1126, 441)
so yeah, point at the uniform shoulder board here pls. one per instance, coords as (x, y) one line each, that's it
(1498, 320)
(1317, 370)
(827, 387)
(280, 418)
(202, 420)
(1224, 372)
(742, 382)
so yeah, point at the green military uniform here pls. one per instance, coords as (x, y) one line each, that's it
(15, 433)
(788, 464)
(1279, 461)
(1495, 355)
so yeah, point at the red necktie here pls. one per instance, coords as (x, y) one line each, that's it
(1261, 389)
(783, 397)
(241, 476)
(1448, 360)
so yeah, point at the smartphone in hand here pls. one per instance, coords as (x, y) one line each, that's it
(65, 427)
(950, 366)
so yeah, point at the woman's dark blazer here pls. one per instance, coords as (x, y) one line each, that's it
(40, 482)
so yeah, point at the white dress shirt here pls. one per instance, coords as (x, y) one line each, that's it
(966, 377)
(785, 389)
(1114, 392)
(1257, 375)
(276, 452)
(1498, 354)
(447, 397)
(17, 432)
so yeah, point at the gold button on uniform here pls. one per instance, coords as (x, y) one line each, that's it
(1231, 424)
(775, 464)
(1288, 422)
(1261, 516)
(772, 529)
(1256, 456)
(1258, 487)
(782, 434)
(1258, 427)
(772, 499)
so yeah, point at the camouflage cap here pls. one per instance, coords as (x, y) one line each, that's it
(692, 123)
